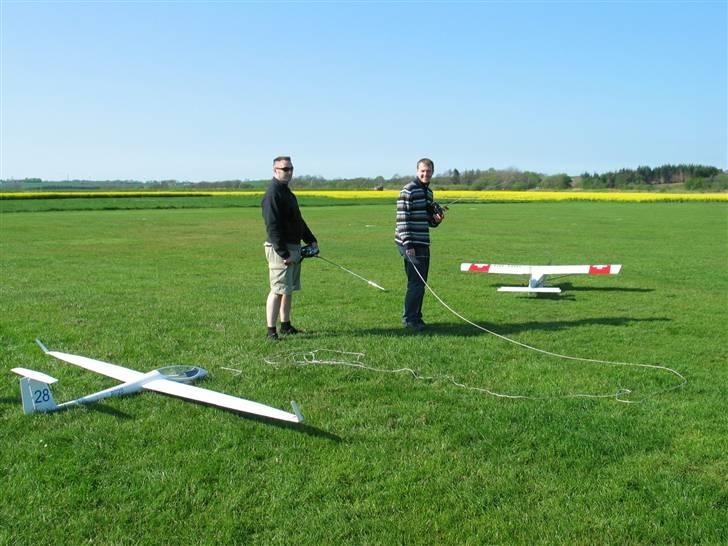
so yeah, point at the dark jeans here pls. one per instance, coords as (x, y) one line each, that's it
(415, 285)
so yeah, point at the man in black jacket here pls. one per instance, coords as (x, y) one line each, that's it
(285, 229)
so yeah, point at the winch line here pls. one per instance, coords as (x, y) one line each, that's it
(370, 283)
(683, 381)
(310, 358)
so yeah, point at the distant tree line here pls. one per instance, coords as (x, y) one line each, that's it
(501, 179)
(684, 177)
(690, 177)
(693, 177)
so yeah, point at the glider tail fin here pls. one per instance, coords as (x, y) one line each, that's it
(35, 390)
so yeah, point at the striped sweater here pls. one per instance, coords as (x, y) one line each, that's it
(414, 217)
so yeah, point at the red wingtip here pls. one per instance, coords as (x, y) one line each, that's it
(599, 269)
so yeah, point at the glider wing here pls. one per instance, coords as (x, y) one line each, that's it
(104, 368)
(219, 399)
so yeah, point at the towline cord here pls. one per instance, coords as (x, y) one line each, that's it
(355, 360)
(683, 380)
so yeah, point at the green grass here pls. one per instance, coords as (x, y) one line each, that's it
(383, 458)
(154, 202)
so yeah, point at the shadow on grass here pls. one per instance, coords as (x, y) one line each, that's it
(107, 410)
(569, 287)
(466, 330)
(89, 407)
(298, 427)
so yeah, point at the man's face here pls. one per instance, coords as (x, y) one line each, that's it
(283, 171)
(424, 173)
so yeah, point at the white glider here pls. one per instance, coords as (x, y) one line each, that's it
(36, 393)
(538, 274)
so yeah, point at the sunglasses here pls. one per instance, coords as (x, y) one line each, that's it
(285, 169)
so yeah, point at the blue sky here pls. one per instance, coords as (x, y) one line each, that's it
(214, 90)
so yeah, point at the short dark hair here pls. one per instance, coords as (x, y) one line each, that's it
(426, 161)
(281, 158)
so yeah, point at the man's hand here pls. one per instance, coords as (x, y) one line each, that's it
(309, 251)
(438, 212)
(410, 252)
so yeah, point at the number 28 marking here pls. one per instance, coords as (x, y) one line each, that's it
(42, 395)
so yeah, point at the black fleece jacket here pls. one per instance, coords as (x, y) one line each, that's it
(283, 221)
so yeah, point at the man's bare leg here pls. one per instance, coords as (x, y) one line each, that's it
(285, 308)
(272, 307)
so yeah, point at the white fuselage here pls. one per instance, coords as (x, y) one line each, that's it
(119, 390)
(131, 387)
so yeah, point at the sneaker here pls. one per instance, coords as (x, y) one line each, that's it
(289, 330)
(272, 336)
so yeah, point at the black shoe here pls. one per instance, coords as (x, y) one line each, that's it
(417, 326)
(290, 330)
(272, 336)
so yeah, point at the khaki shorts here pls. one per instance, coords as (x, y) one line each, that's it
(284, 279)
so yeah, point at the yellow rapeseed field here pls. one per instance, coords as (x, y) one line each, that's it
(452, 195)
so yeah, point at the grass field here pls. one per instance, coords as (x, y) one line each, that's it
(383, 458)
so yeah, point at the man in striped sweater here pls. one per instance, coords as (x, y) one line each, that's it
(415, 216)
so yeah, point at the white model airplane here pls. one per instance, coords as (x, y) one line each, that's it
(36, 393)
(538, 274)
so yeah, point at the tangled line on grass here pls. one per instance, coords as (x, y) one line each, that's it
(330, 357)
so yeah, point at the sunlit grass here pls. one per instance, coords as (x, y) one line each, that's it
(385, 458)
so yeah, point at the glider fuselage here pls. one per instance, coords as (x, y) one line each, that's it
(178, 374)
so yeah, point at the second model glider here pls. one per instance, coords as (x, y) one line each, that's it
(538, 274)
(36, 392)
